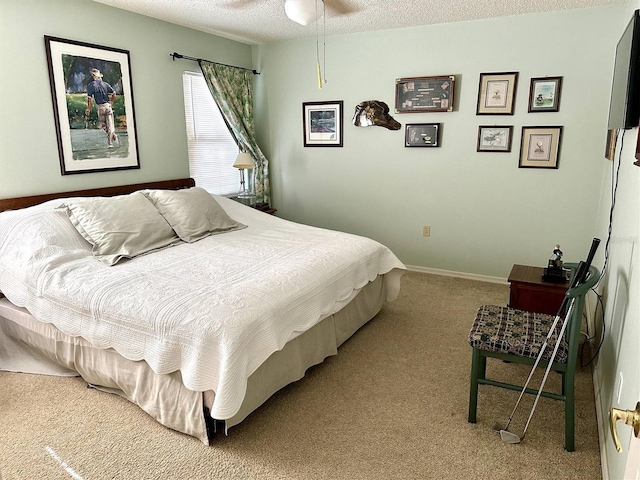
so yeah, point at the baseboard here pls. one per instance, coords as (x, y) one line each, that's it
(449, 273)
(602, 420)
(600, 417)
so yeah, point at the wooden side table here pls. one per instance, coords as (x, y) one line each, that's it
(265, 208)
(529, 292)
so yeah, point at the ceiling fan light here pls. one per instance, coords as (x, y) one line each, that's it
(301, 11)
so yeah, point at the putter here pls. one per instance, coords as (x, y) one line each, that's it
(496, 427)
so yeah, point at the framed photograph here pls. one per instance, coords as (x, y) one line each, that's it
(637, 162)
(540, 147)
(544, 94)
(497, 93)
(422, 135)
(92, 94)
(610, 147)
(425, 94)
(323, 125)
(494, 138)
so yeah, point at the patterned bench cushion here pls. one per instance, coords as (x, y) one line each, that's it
(507, 330)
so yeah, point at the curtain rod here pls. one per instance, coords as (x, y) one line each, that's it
(178, 55)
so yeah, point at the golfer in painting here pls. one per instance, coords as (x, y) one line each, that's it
(104, 95)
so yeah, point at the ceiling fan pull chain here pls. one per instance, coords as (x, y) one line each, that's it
(318, 49)
(324, 40)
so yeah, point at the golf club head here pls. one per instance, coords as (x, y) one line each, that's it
(509, 437)
(496, 427)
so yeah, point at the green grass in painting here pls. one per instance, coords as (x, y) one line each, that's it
(77, 104)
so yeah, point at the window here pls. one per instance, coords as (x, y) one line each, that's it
(212, 148)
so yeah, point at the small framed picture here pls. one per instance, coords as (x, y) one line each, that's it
(496, 138)
(322, 122)
(540, 147)
(422, 135)
(497, 93)
(544, 94)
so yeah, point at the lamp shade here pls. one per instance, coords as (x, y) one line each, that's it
(301, 11)
(244, 161)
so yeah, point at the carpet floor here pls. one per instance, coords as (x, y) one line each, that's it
(391, 405)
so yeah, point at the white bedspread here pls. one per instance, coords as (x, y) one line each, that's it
(215, 309)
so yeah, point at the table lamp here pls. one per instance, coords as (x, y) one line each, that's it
(242, 163)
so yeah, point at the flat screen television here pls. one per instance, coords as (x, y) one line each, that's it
(624, 109)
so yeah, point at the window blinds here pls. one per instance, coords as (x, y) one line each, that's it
(212, 149)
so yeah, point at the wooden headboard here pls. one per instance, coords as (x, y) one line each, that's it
(23, 202)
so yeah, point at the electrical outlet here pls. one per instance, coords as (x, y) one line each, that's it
(426, 231)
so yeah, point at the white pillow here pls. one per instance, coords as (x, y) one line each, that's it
(193, 213)
(119, 227)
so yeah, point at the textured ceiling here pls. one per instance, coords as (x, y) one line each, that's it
(264, 21)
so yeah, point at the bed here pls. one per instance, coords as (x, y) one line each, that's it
(197, 325)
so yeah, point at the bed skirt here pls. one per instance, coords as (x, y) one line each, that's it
(30, 346)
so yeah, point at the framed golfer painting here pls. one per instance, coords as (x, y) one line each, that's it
(92, 95)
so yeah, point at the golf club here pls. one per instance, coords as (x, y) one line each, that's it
(509, 437)
(580, 276)
(496, 427)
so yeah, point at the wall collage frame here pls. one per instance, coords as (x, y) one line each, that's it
(539, 144)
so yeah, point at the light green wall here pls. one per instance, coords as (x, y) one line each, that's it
(485, 213)
(28, 153)
(621, 292)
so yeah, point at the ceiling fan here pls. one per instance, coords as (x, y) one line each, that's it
(305, 12)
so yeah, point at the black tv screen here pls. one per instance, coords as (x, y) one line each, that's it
(624, 109)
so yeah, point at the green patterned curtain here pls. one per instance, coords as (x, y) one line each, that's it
(232, 89)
